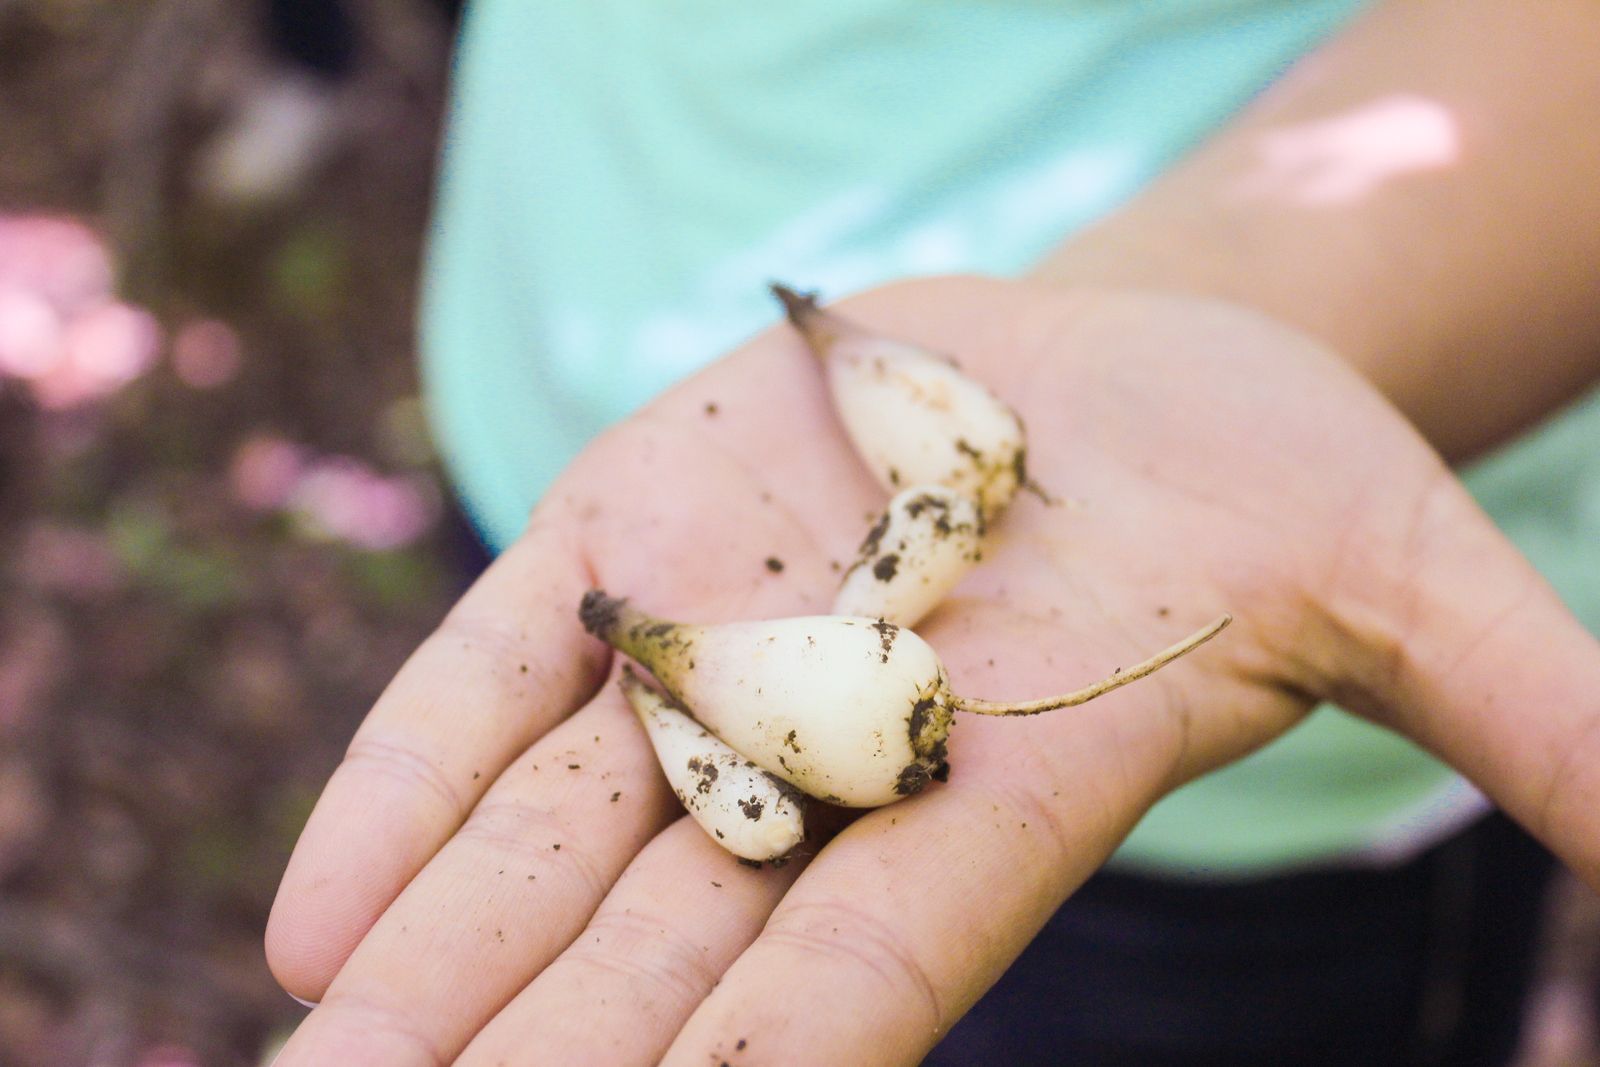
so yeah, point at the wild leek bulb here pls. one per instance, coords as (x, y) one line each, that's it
(913, 415)
(925, 542)
(853, 711)
(746, 810)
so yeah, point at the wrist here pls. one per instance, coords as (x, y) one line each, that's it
(1224, 252)
(1428, 214)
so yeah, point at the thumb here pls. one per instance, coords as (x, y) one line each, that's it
(1480, 662)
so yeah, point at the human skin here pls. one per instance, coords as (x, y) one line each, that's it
(1421, 194)
(1212, 456)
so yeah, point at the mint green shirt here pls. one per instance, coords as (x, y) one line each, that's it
(622, 177)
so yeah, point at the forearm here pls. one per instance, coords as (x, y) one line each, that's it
(1423, 193)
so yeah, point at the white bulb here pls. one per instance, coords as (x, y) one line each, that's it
(852, 711)
(913, 415)
(926, 541)
(743, 808)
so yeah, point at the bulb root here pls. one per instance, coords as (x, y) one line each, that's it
(1115, 680)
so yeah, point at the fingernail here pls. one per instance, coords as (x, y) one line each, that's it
(302, 1003)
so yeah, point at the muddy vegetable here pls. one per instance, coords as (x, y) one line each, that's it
(913, 416)
(853, 711)
(742, 807)
(926, 541)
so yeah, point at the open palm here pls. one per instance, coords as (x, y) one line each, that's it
(498, 874)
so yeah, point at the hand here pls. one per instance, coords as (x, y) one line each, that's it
(1210, 460)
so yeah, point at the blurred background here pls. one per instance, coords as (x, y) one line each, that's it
(222, 525)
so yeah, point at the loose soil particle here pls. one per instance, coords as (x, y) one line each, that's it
(887, 632)
(869, 545)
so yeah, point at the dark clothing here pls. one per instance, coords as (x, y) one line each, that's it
(319, 36)
(316, 35)
(1423, 965)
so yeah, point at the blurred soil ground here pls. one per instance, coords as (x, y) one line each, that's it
(213, 560)
(209, 572)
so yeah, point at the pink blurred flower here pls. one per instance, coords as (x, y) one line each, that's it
(30, 332)
(60, 328)
(265, 470)
(60, 259)
(327, 497)
(206, 353)
(343, 498)
(398, 511)
(102, 350)
(337, 497)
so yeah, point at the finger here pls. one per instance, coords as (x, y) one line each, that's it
(508, 892)
(1486, 668)
(618, 995)
(906, 918)
(508, 663)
